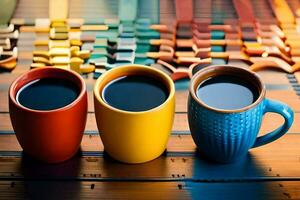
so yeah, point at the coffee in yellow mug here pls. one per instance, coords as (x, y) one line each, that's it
(134, 108)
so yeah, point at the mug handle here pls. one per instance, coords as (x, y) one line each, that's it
(286, 112)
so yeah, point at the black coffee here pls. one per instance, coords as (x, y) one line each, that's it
(135, 93)
(47, 94)
(227, 92)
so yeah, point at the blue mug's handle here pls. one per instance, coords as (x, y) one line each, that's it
(285, 111)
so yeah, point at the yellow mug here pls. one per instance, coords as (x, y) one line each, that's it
(134, 137)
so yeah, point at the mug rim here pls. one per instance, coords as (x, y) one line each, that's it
(13, 92)
(98, 93)
(213, 68)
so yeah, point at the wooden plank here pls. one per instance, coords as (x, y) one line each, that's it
(273, 77)
(177, 143)
(179, 162)
(270, 122)
(174, 175)
(25, 55)
(259, 191)
(148, 190)
(91, 190)
(286, 96)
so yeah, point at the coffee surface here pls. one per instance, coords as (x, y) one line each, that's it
(135, 93)
(227, 92)
(47, 94)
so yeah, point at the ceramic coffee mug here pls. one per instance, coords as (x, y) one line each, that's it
(52, 135)
(227, 135)
(134, 137)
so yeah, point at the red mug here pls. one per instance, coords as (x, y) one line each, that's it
(53, 135)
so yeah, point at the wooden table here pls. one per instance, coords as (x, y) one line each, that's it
(268, 172)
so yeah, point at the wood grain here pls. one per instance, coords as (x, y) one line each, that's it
(177, 143)
(270, 122)
(180, 161)
(148, 190)
(268, 172)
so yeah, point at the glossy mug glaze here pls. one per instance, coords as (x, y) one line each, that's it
(49, 135)
(227, 135)
(134, 137)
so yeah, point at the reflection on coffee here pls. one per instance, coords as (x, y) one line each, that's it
(135, 93)
(47, 94)
(227, 92)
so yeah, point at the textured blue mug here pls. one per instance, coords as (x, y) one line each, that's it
(227, 135)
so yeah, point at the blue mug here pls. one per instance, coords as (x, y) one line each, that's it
(226, 135)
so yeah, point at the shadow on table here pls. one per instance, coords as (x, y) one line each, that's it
(35, 169)
(51, 181)
(246, 168)
(239, 180)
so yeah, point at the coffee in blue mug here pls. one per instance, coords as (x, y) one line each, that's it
(225, 109)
